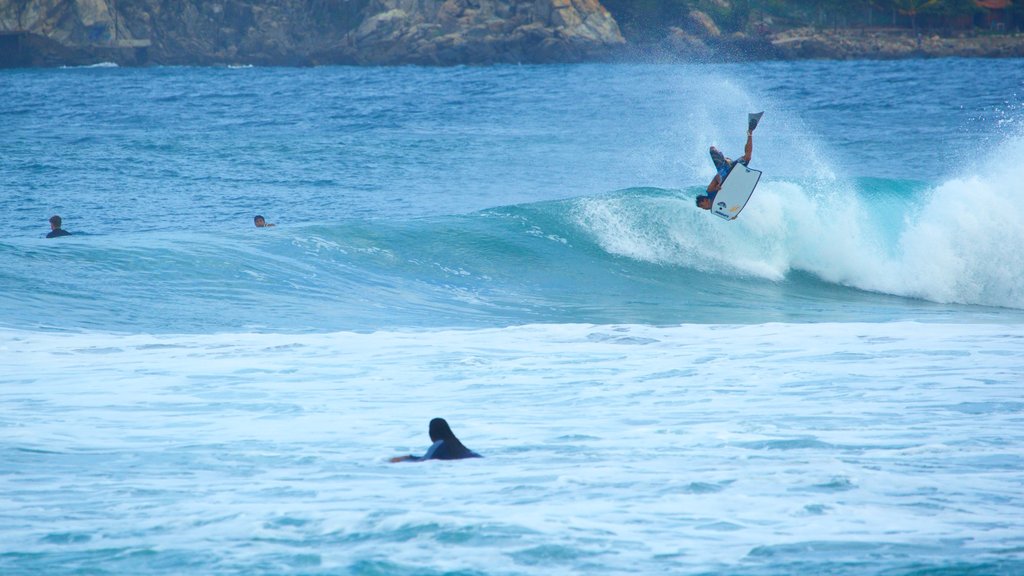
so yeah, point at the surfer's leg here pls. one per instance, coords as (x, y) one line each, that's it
(717, 157)
(749, 148)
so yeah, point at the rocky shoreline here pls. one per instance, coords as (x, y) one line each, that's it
(885, 44)
(419, 32)
(304, 32)
(810, 44)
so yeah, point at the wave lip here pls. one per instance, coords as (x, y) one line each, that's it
(955, 241)
(873, 250)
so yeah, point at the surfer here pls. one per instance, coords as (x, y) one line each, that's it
(445, 445)
(55, 229)
(260, 221)
(725, 165)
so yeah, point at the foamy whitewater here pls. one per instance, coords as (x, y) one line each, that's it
(830, 384)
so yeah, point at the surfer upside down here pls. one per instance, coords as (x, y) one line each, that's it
(725, 165)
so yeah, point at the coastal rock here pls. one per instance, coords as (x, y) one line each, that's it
(809, 43)
(684, 44)
(93, 19)
(464, 31)
(700, 24)
(695, 40)
(429, 32)
(49, 32)
(438, 32)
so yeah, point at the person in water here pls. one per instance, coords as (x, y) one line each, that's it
(55, 229)
(725, 165)
(445, 445)
(260, 221)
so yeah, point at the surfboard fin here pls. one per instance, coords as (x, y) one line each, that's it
(752, 119)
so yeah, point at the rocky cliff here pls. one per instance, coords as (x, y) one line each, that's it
(304, 32)
(432, 32)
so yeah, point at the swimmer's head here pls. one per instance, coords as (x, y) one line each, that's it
(439, 430)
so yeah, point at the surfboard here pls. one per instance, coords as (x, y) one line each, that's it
(735, 192)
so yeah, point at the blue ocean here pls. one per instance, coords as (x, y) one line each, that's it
(830, 384)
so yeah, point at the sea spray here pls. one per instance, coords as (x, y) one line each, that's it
(965, 244)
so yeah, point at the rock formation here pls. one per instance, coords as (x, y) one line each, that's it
(809, 43)
(297, 32)
(429, 32)
(465, 31)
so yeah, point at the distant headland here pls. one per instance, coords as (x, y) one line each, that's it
(451, 32)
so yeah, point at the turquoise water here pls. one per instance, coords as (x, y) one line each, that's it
(829, 384)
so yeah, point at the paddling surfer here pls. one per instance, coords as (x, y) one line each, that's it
(445, 445)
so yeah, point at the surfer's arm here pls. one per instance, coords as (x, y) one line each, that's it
(408, 458)
(715, 185)
(430, 454)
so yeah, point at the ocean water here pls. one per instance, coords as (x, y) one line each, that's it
(831, 384)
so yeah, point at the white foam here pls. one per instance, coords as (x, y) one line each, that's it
(634, 447)
(965, 245)
(97, 65)
(959, 243)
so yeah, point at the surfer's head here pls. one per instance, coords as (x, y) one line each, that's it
(704, 202)
(439, 430)
(260, 221)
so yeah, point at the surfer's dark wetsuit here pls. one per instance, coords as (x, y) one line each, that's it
(55, 230)
(445, 447)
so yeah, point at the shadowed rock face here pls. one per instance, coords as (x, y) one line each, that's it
(440, 32)
(462, 31)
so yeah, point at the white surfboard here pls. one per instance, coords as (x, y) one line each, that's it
(735, 192)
